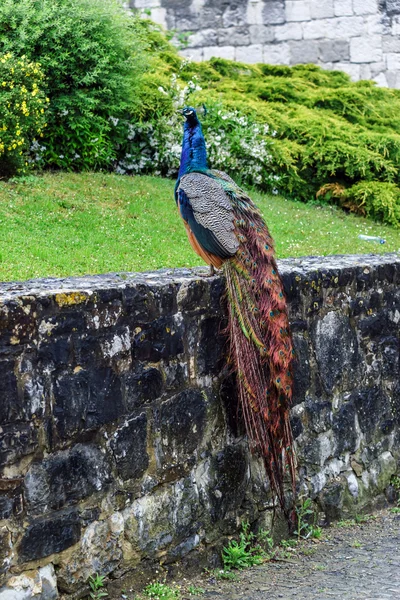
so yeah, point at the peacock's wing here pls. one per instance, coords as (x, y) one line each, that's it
(207, 208)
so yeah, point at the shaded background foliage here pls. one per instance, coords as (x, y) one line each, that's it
(115, 81)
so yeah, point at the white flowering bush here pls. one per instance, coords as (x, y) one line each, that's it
(235, 142)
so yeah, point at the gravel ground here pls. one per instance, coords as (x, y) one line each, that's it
(355, 562)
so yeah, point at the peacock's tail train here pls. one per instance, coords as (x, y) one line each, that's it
(260, 347)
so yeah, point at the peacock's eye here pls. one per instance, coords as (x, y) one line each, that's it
(189, 112)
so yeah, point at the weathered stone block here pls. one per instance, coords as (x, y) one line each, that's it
(365, 7)
(337, 27)
(227, 52)
(180, 422)
(238, 36)
(373, 409)
(390, 43)
(288, 31)
(343, 8)
(141, 387)
(205, 37)
(272, 12)
(303, 51)
(366, 49)
(234, 14)
(335, 360)
(17, 440)
(344, 428)
(163, 338)
(393, 7)
(352, 70)
(277, 54)
(50, 535)
(249, 54)
(86, 400)
(321, 9)
(319, 415)
(334, 51)
(210, 348)
(229, 471)
(129, 448)
(65, 478)
(261, 34)
(11, 406)
(32, 585)
(393, 61)
(297, 10)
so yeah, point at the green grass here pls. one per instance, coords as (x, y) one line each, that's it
(74, 224)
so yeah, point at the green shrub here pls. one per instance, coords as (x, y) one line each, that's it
(22, 111)
(375, 199)
(91, 52)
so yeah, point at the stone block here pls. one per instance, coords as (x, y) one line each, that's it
(86, 400)
(393, 61)
(301, 368)
(204, 37)
(381, 80)
(128, 445)
(352, 70)
(6, 549)
(365, 71)
(17, 440)
(272, 12)
(249, 54)
(288, 31)
(31, 585)
(334, 50)
(344, 428)
(234, 15)
(393, 7)
(65, 478)
(303, 52)
(11, 406)
(297, 10)
(343, 8)
(277, 54)
(390, 43)
(334, 360)
(373, 409)
(365, 49)
(365, 7)
(229, 476)
(180, 423)
(227, 52)
(160, 339)
(337, 27)
(321, 9)
(237, 36)
(261, 34)
(318, 415)
(50, 535)
(195, 54)
(141, 387)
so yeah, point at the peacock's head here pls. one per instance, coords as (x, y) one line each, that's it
(190, 114)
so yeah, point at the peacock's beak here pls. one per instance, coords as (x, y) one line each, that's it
(180, 111)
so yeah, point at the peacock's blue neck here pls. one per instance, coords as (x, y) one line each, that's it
(194, 154)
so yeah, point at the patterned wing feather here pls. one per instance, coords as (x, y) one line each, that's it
(207, 208)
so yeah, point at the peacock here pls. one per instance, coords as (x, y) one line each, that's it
(227, 230)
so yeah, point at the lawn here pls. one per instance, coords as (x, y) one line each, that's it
(74, 224)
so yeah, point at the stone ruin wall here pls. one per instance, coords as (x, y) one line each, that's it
(360, 37)
(119, 442)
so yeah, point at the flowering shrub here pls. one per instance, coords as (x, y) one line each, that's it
(22, 111)
(91, 53)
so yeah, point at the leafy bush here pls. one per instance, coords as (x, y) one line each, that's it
(22, 111)
(91, 52)
(287, 129)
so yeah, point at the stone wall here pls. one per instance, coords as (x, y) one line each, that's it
(119, 438)
(361, 37)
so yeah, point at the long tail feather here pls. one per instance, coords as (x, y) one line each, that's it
(261, 347)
